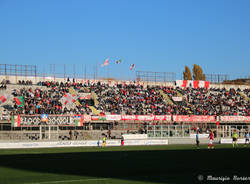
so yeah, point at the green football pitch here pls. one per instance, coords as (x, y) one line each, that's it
(132, 165)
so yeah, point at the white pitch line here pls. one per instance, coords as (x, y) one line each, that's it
(69, 181)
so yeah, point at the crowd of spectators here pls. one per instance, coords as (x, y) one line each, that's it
(22, 82)
(131, 99)
(47, 100)
(4, 83)
(212, 101)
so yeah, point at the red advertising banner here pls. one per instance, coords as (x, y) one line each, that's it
(235, 118)
(128, 117)
(163, 118)
(196, 84)
(191, 83)
(247, 118)
(194, 118)
(94, 118)
(146, 117)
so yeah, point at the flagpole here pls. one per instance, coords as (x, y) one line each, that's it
(107, 71)
(121, 71)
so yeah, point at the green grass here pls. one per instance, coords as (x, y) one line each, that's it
(133, 165)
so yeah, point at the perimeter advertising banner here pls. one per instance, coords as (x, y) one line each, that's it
(146, 117)
(194, 118)
(235, 118)
(77, 120)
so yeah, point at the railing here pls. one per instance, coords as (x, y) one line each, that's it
(166, 131)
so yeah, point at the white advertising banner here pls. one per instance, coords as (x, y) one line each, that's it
(234, 118)
(201, 136)
(92, 143)
(146, 142)
(113, 117)
(177, 98)
(55, 144)
(229, 141)
(135, 136)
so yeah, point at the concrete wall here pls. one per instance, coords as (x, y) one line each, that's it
(15, 79)
(189, 141)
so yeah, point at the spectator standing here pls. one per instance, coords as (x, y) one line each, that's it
(70, 134)
(75, 134)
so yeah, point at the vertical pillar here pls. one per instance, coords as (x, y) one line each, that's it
(182, 130)
(168, 130)
(49, 132)
(161, 130)
(154, 130)
(40, 132)
(175, 127)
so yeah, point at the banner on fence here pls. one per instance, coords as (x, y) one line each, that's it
(85, 96)
(15, 121)
(34, 120)
(193, 118)
(192, 83)
(78, 120)
(87, 118)
(177, 98)
(44, 117)
(235, 118)
(113, 117)
(146, 117)
(96, 118)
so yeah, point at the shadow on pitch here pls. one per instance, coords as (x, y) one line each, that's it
(165, 166)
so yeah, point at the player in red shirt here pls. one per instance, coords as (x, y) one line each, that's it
(211, 138)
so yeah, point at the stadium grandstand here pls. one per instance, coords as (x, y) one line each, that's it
(36, 108)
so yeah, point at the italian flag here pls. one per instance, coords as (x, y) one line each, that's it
(78, 119)
(15, 121)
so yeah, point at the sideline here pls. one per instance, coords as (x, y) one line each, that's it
(70, 181)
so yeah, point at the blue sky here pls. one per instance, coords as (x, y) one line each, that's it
(155, 35)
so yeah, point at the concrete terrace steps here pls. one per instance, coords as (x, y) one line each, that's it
(244, 96)
(94, 110)
(166, 97)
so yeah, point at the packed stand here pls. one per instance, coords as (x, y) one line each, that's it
(212, 101)
(47, 101)
(131, 100)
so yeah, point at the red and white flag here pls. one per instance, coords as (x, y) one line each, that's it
(132, 66)
(106, 62)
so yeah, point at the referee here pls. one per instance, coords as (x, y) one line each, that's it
(235, 138)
